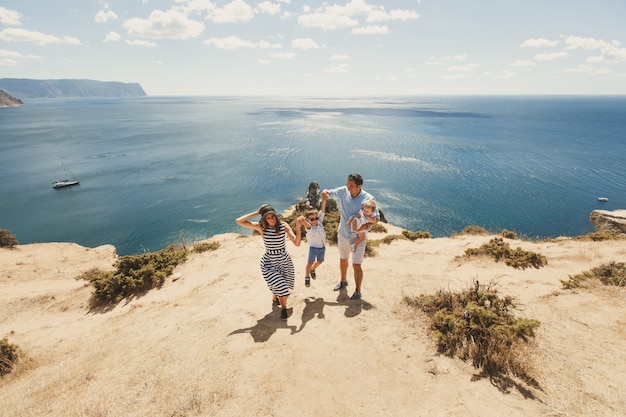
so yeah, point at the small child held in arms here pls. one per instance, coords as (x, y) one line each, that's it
(361, 223)
(316, 238)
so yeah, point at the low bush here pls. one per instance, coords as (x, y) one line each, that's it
(9, 354)
(7, 240)
(509, 234)
(134, 274)
(612, 273)
(600, 236)
(202, 247)
(500, 250)
(474, 230)
(477, 325)
(416, 235)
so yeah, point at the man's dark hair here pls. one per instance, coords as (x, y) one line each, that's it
(357, 178)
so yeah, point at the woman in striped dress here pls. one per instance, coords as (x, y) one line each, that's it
(276, 264)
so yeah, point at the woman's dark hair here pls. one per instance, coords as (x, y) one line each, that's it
(264, 224)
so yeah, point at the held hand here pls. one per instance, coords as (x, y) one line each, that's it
(324, 194)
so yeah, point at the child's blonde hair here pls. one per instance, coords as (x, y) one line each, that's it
(371, 204)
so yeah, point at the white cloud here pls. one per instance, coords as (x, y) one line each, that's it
(611, 54)
(195, 6)
(170, 25)
(268, 45)
(383, 16)
(592, 70)
(11, 54)
(371, 30)
(137, 42)
(34, 37)
(552, 56)
(104, 16)
(234, 42)
(337, 57)
(326, 21)
(8, 62)
(523, 63)
(444, 60)
(304, 43)
(578, 42)
(331, 17)
(112, 37)
(267, 7)
(10, 17)
(338, 68)
(463, 68)
(403, 14)
(263, 62)
(610, 51)
(234, 12)
(539, 43)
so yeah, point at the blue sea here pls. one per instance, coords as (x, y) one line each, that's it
(157, 170)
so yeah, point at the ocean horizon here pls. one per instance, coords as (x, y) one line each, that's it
(154, 171)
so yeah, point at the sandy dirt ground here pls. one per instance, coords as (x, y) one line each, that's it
(209, 342)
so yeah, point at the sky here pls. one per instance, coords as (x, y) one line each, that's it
(313, 48)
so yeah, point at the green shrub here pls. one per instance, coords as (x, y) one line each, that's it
(477, 325)
(134, 274)
(201, 247)
(474, 230)
(7, 240)
(416, 235)
(600, 236)
(500, 250)
(9, 354)
(379, 228)
(613, 273)
(508, 234)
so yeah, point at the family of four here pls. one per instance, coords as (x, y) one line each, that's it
(358, 214)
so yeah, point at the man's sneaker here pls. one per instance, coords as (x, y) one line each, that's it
(307, 281)
(341, 285)
(313, 274)
(283, 314)
(356, 296)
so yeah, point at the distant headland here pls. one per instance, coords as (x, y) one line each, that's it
(23, 88)
(7, 100)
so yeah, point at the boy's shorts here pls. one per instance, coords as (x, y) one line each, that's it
(316, 253)
(345, 249)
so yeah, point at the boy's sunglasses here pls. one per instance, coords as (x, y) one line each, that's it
(313, 218)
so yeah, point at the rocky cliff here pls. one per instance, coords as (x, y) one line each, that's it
(7, 100)
(609, 221)
(28, 88)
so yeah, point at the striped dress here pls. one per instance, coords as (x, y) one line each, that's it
(276, 264)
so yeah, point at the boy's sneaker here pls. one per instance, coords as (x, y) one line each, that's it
(307, 281)
(356, 296)
(283, 314)
(313, 274)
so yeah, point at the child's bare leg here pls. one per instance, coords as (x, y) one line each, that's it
(360, 239)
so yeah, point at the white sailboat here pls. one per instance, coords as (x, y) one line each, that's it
(67, 182)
